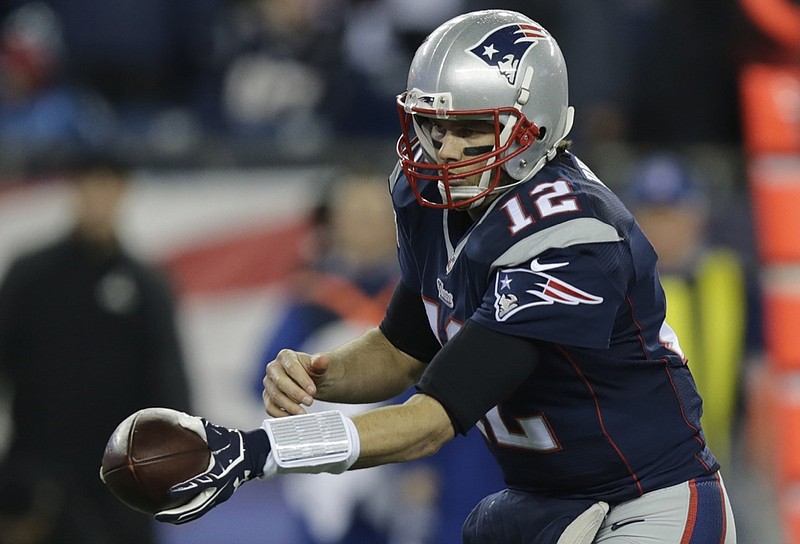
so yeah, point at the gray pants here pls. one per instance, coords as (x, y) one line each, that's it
(694, 512)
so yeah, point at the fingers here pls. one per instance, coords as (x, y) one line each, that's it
(304, 369)
(192, 510)
(280, 408)
(288, 387)
(282, 396)
(318, 366)
(195, 485)
(192, 423)
(188, 488)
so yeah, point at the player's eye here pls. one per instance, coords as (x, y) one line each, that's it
(468, 131)
(438, 132)
(464, 132)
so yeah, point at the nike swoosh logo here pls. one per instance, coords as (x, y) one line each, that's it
(620, 524)
(536, 266)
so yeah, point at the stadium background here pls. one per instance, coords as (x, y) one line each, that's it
(235, 112)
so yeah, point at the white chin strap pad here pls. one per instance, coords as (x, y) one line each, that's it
(311, 443)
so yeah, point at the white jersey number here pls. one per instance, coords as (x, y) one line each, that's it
(551, 198)
(535, 435)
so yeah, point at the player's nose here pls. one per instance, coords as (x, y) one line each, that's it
(451, 149)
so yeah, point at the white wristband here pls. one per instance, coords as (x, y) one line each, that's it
(311, 443)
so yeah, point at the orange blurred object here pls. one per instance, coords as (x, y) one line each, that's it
(770, 107)
(775, 193)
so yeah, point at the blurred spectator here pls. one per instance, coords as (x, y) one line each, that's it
(300, 72)
(153, 62)
(706, 285)
(87, 337)
(143, 55)
(353, 268)
(673, 209)
(40, 107)
(281, 56)
(343, 293)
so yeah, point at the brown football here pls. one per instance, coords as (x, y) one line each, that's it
(147, 454)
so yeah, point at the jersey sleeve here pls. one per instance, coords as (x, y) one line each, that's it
(566, 296)
(409, 272)
(405, 325)
(407, 224)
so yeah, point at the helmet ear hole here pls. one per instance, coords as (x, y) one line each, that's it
(542, 132)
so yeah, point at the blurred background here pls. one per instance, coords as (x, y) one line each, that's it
(236, 126)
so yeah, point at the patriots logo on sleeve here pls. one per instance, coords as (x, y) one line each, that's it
(519, 288)
(504, 47)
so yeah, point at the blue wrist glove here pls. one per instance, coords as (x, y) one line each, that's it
(236, 457)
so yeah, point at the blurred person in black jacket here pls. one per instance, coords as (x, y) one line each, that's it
(87, 336)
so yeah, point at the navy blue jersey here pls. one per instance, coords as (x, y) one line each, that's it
(611, 411)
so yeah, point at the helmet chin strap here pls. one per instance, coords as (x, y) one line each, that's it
(464, 193)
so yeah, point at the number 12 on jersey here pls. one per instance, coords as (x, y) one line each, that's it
(551, 198)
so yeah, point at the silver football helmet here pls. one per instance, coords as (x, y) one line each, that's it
(492, 65)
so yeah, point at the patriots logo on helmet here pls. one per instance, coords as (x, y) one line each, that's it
(504, 47)
(520, 288)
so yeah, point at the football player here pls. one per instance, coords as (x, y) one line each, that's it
(529, 306)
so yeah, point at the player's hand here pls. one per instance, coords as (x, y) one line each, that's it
(236, 457)
(291, 382)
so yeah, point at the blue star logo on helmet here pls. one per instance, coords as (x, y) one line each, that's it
(505, 46)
